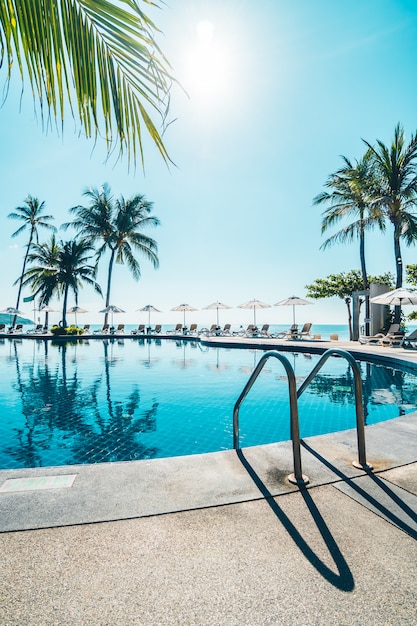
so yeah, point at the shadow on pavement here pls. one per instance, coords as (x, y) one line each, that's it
(343, 579)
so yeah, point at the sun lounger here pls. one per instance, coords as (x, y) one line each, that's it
(16, 330)
(120, 329)
(226, 330)
(393, 340)
(2, 328)
(102, 331)
(213, 330)
(376, 339)
(305, 331)
(264, 331)
(157, 329)
(140, 330)
(409, 341)
(192, 330)
(291, 333)
(248, 332)
(38, 330)
(175, 331)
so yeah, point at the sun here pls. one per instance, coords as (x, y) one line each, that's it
(208, 66)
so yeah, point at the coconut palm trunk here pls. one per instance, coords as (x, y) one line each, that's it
(109, 279)
(19, 291)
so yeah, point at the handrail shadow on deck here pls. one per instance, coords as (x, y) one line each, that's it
(343, 580)
(375, 503)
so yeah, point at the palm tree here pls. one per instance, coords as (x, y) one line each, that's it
(119, 226)
(58, 268)
(350, 196)
(395, 192)
(93, 58)
(32, 216)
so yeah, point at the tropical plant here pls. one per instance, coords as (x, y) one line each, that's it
(350, 196)
(58, 268)
(119, 226)
(411, 277)
(343, 286)
(394, 192)
(95, 58)
(32, 216)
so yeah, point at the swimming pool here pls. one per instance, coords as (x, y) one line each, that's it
(127, 399)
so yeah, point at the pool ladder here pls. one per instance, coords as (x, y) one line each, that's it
(298, 477)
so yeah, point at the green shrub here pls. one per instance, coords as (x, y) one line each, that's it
(68, 330)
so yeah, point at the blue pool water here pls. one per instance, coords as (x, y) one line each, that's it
(127, 399)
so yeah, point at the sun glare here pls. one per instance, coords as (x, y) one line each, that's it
(208, 67)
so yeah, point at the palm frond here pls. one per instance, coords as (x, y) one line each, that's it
(96, 57)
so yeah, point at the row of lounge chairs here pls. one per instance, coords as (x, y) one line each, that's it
(392, 338)
(213, 330)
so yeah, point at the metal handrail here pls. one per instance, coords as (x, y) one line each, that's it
(298, 477)
(360, 418)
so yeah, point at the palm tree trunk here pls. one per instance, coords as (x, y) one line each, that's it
(109, 276)
(399, 271)
(365, 281)
(64, 307)
(347, 301)
(21, 276)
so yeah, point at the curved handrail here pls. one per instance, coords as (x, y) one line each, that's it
(297, 477)
(360, 418)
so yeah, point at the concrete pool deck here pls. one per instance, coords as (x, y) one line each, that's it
(221, 538)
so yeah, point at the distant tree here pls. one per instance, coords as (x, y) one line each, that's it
(350, 197)
(411, 277)
(119, 226)
(394, 192)
(101, 58)
(343, 286)
(58, 268)
(32, 217)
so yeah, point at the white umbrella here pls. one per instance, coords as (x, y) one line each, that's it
(293, 301)
(254, 304)
(184, 307)
(217, 306)
(397, 297)
(11, 311)
(149, 308)
(112, 308)
(46, 310)
(76, 309)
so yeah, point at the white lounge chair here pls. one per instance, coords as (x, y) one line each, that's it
(410, 341)
(175, 331)
(140, 330)
(264, 331)
(376, 340)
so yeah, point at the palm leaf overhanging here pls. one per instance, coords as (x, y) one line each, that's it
(96, 57)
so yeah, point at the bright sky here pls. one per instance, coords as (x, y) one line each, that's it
(278, 91)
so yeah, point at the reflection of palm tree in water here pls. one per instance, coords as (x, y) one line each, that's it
(116, 439)
(60, 414)
(26, 451)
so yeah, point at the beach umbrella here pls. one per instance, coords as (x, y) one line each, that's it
(112, 308)
(184, 308)
(397, 297)
(217, 306)
(293, 301)
(149, 308)
(254, 304)
(76, 309)
(46, 310)
(11, 311)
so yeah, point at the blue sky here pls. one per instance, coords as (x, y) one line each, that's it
(277, 92)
